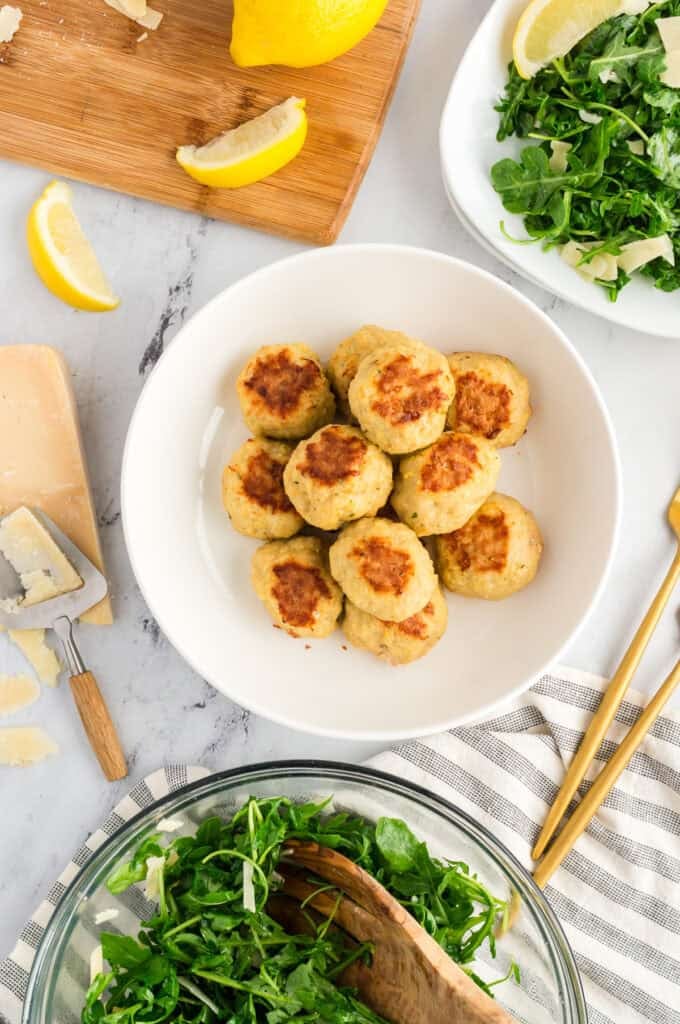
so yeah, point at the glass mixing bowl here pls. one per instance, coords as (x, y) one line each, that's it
(549, 991)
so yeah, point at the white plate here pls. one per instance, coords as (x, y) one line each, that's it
(193, 569)
(468, 150)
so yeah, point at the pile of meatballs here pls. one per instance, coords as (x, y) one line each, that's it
(372, 480)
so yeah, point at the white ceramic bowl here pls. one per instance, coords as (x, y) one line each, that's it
(193, 569)
(468, 150)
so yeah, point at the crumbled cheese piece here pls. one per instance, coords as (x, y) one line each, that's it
(17, 692)
(635, 254)
(603, 266)
(25, 745)
(558, 160)
(31, 643)
(43, 569)
(169, 825)
(106, 915)
(10, 19)
(636, 146)
(96, 962)
(608, 75)
(154, 873)
(588, 117)
(148, 19)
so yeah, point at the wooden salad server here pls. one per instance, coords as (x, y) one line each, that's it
(411, 979)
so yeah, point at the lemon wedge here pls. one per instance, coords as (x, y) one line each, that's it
(250, 152)
(299, 33)
(549, 29)
(61, 254)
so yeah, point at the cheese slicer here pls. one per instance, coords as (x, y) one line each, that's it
(58, 613)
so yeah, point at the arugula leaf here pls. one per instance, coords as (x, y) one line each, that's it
(397, 844)
(122, 951)
(663, 150)
(134, 870)
(621, 59)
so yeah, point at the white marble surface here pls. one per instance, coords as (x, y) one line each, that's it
(166, 265)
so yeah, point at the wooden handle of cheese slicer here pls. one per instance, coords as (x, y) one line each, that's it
(92, 708)
(97, 723)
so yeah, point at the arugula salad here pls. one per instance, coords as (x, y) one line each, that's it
(212, 952)
(602, 177)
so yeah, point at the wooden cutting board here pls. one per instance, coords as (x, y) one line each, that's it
(81, 96)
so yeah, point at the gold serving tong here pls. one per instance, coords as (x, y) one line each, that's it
(602, 785)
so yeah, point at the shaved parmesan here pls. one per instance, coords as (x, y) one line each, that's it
(636, 146)
(558, 160)
(96, 962)
(154, 873)
(25, 745)
(248, 888)
(634, 6)
(671, 75)
(169, 825)
(635, 254)
(669, 30)
(608, 75)
(106, 915)
(588, 117)
(148, 19)
(31, 643)
(10, 19)
(602, 267)
(17, 692)
(134, 8)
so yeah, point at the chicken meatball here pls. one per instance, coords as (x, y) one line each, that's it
(284, 392)
(383, 568)
(495, 554)
(398, 642)
(344, 362)
(400, 396)
(438, 489)
(336, 476)
(492, 398)
(291, 578)
(253, 494)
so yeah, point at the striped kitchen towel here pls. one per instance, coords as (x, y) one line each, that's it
(617, 894)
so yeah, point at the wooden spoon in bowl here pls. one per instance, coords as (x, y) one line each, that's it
(411, 979)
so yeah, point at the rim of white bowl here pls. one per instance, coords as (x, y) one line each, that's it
(375, 735)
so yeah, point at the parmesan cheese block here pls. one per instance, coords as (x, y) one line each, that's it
(43, 569)
(10, 19)
(42, 462)
(25, 745)
(17, 692)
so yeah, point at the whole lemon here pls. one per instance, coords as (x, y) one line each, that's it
(299, 33)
